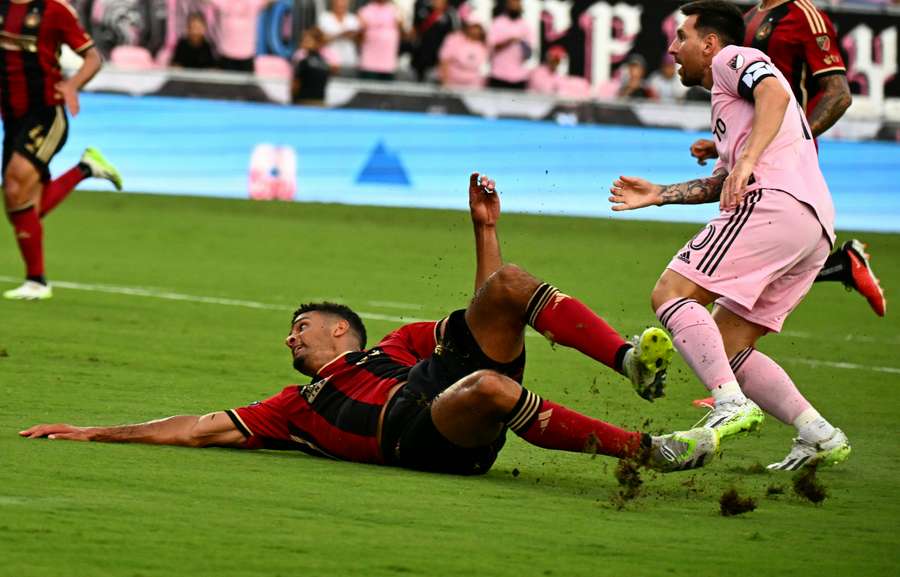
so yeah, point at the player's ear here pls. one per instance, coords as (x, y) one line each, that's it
(710, 43)
(340, 328)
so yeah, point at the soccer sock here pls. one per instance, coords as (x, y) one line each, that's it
(567, 321)
(812, 427)
(59, 188)
(764, 381)
(835, 268)
(697, 338)
(30, 236)
(551, 426)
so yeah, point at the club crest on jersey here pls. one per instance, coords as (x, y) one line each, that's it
(764, 30)
(32, 19)
(737, 62)
(824, 43)
(312, 390)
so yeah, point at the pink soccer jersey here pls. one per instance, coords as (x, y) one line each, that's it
(790, 163)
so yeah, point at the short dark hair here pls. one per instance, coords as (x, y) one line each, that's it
(342, 311)
(196, 16)
(718, 17)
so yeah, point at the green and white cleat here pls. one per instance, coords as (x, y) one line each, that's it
(29, 291)
(100, 167)
(646, 363)
(823, 454)
(730, 418)
(683, 450)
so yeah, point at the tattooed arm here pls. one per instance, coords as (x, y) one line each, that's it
(629, 193)
(835, 101)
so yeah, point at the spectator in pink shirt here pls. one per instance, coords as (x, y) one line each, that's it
(238, 21)
(463, 56)
(380, 32)
(548, 79)
(510, 41)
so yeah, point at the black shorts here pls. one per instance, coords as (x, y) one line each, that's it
(37, 136)
(409, 438)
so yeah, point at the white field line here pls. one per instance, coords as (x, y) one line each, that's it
(173, 296)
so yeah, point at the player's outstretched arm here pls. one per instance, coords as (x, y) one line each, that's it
(630, 193)
(484, 208)
(211, 430)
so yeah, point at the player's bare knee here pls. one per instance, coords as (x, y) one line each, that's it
(511, 284)
(490, 390)
(15, 195)
(661, 294)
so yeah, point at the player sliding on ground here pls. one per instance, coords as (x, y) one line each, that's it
(437, 396)
(758, 258)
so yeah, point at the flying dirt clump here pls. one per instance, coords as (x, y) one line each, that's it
(730, 503)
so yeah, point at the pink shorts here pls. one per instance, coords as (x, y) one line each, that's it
(760, 258)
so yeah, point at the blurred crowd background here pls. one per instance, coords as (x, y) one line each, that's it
(452, 43)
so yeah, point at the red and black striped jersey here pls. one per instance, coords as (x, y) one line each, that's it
(801, 42)
(336, 415)
(31, 35)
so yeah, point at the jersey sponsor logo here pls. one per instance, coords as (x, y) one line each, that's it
(764, 30)
(312, 390)
(830, 59)
(755, 72)
(18, 42)
(824, 43)
(685, 257)
(737, 62)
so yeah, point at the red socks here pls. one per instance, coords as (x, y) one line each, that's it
(551, 426)
(30, 236)
(567, 321)
(58, 189)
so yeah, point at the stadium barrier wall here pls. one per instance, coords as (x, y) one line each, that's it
(202, 147)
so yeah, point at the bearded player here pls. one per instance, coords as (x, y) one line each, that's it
(801, 42)
(757, 259)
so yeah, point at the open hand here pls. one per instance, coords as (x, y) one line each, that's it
(735, 184)
(56, 431)
(631, 192)
(69, 94)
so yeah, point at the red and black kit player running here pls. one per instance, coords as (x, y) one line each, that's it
(34, 97)
(801, 42)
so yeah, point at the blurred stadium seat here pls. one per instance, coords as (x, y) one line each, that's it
(272, 66)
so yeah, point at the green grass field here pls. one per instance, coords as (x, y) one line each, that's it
(183, 338)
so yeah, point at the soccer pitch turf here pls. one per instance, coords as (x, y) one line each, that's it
(169, 305)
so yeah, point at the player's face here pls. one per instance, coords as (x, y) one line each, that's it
(687, 50)
(310, 334)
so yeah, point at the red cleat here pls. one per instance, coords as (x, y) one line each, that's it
(861, 277)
